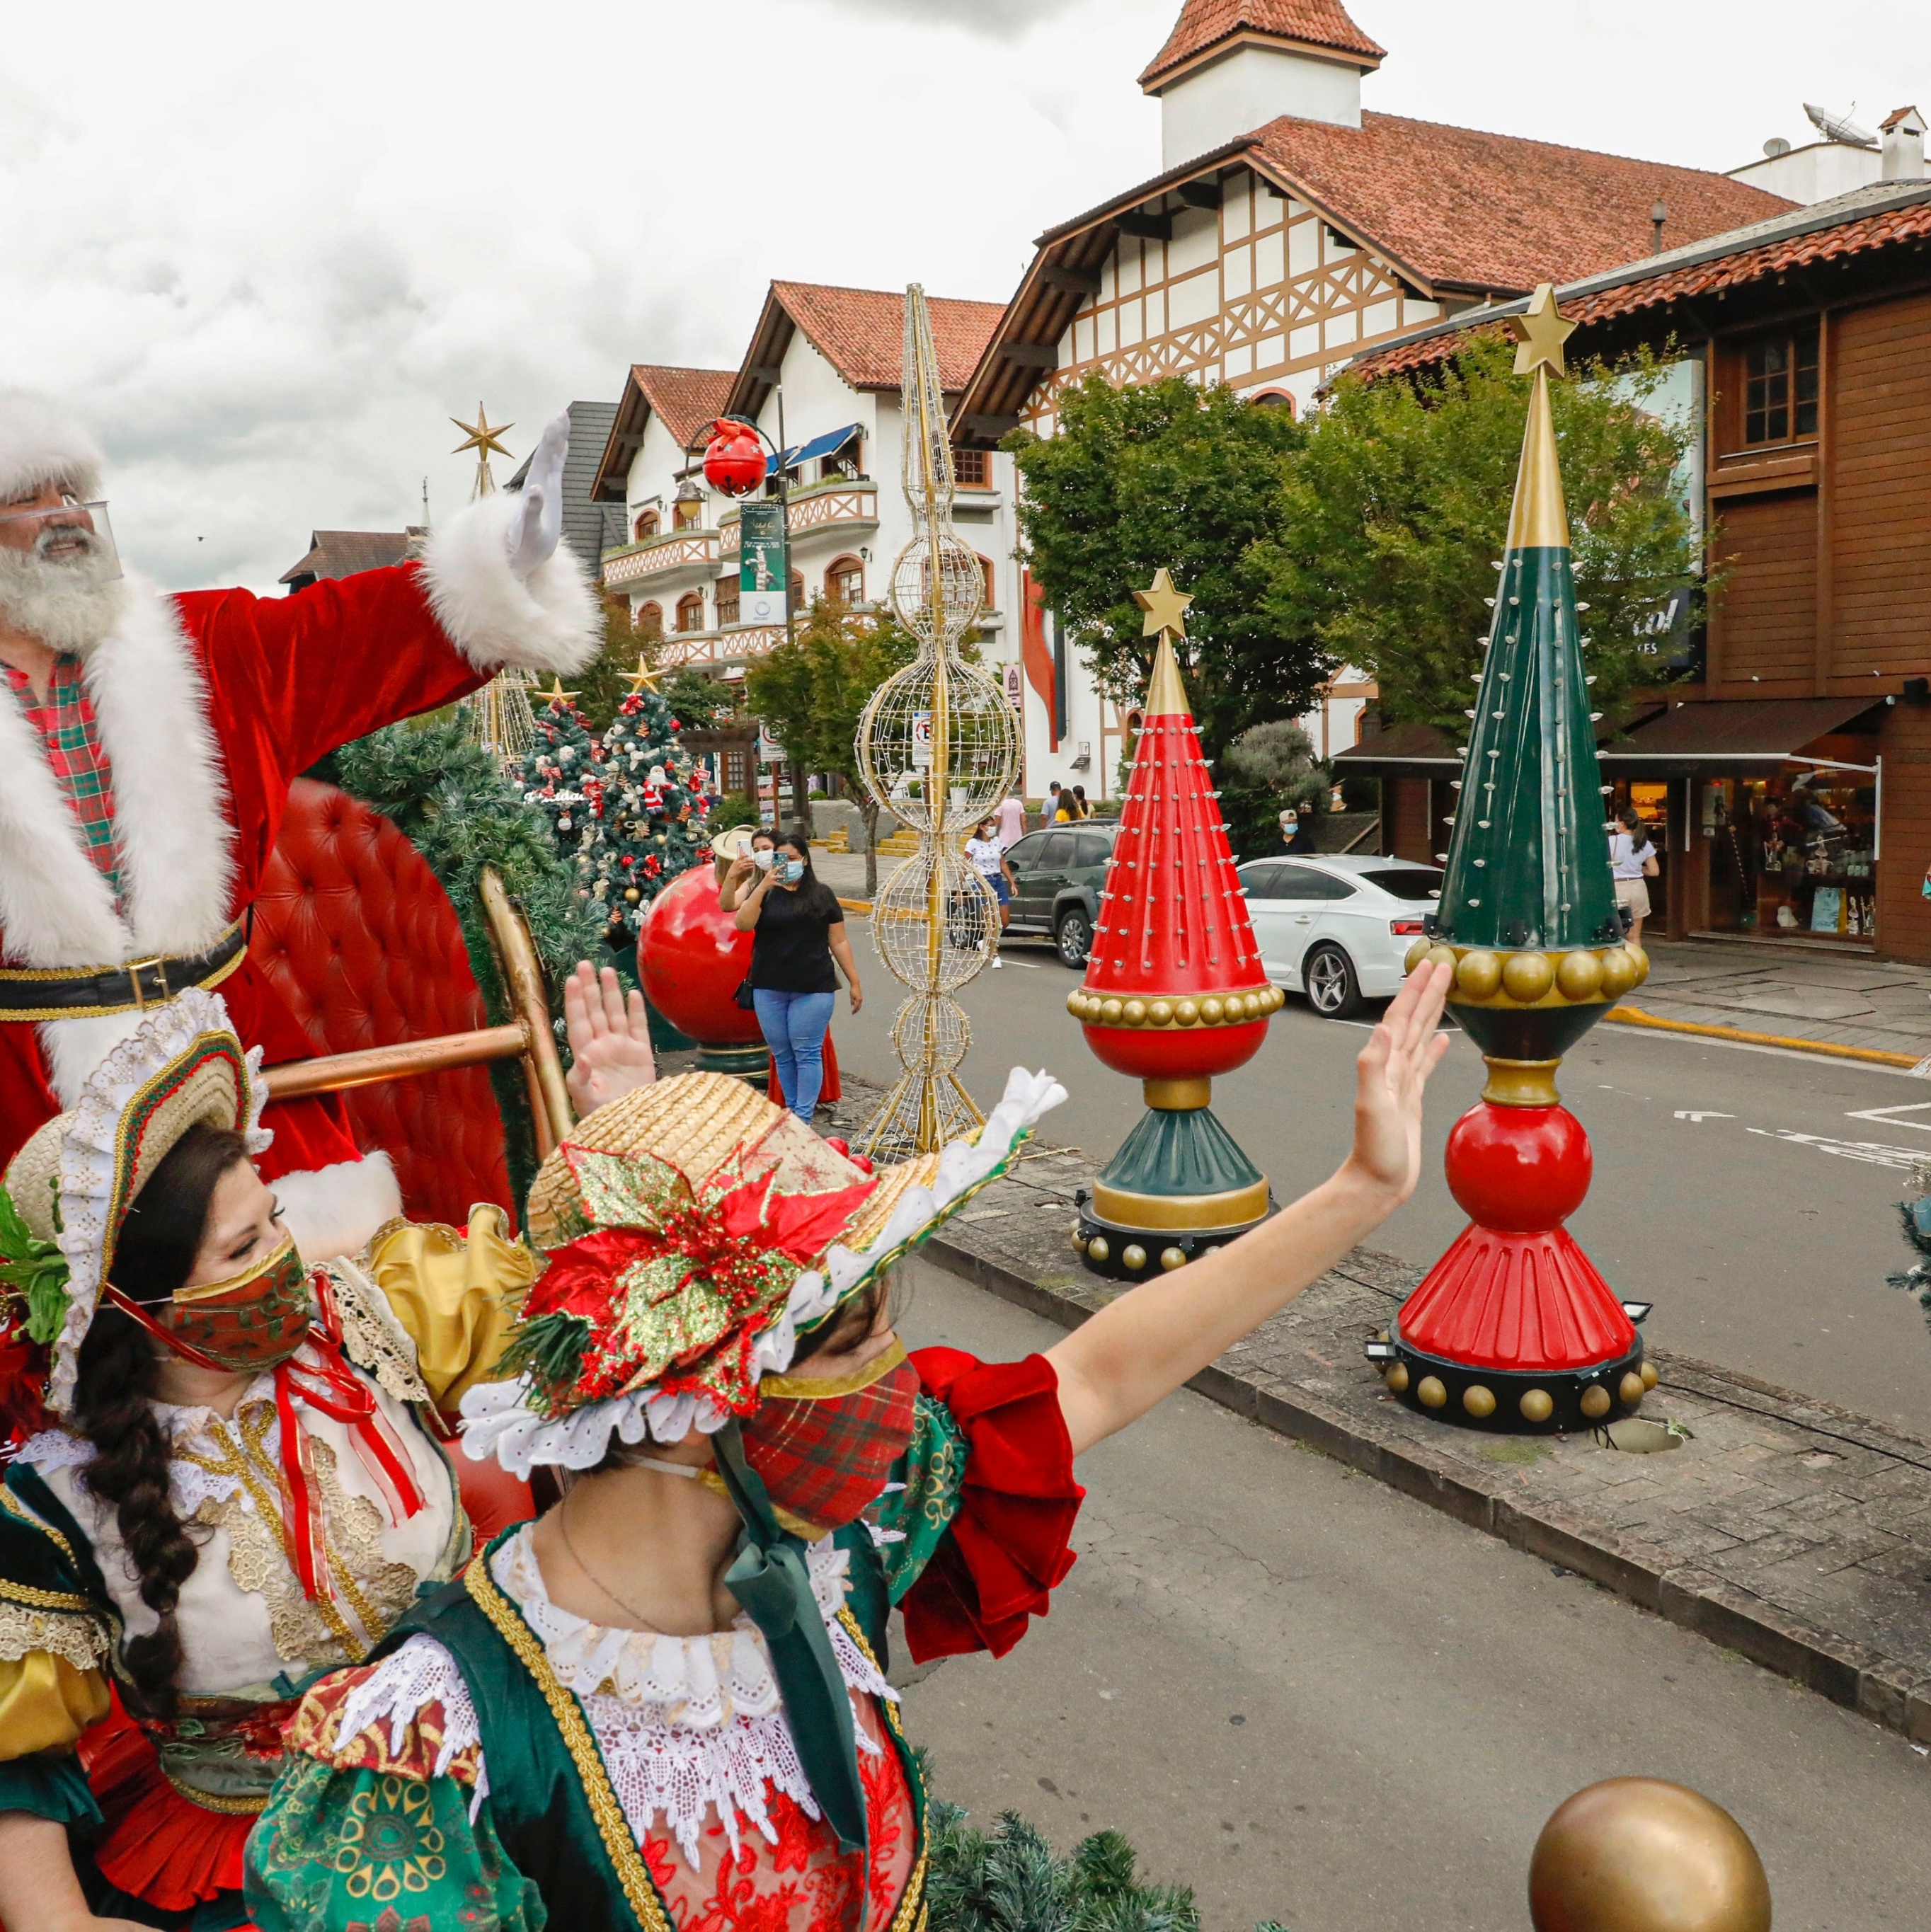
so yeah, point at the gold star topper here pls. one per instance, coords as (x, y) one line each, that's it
(482, 436)
(1166, 607)
(1540, 333)
(642, 677)
(556, 695)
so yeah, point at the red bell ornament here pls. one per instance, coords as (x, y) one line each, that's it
(734, 459)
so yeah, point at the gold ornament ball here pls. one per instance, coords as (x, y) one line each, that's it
(1430, 1392)
(1595, 1403)
(631, 895)
(1619, 972)
(1098, 1249)
(1212, 1012)
(1478, 975)
(1631, 1388)
(1415, 954)
(1536, 1405)
(1439, 955)
(1640, 1855)
(1160, 1013)
(1187, 1013)
(1638, 958)
(1650, 1377)
(1479, 1401)
(1135, 1012)
(1527, 977)
(1110, 1011)
(1397, 1379)
(1134, 1256)
(1171, 1258)
(1076, 1003)
(1580, 976)
(1079, 1239)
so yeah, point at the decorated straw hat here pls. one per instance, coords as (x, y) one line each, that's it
(71, 1184)
(694, 1231)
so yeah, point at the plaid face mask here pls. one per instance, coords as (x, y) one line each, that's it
(825, 1449)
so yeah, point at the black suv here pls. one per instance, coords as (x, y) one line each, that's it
(1058, 874)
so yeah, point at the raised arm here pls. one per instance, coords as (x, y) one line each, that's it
(1148, 1343)
(752, 904)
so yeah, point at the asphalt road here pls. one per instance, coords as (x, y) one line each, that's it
(1318, 1702)
(1745, 1192)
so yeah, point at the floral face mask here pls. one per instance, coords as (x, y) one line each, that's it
(253, 1319)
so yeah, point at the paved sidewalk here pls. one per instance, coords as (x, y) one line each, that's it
(1797, 1533)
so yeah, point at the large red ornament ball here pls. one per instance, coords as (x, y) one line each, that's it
(734, 459)
(1519, 1169)
(691, 958)
(1175, 1052)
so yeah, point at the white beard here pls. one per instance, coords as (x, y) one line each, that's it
(53, 602)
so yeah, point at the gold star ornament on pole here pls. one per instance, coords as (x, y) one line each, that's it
(1166, 607)
(642, 678)
(556, 695)
(1540, 333)
(483, 437)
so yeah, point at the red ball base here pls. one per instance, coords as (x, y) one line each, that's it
(691, 958)
(1515, 1296)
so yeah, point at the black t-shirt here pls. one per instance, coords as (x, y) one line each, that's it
(792, 952)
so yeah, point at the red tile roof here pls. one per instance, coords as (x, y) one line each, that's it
(685, 399)
(1493, 211)
(1828, 242)
(1204, 24)
(861, 332)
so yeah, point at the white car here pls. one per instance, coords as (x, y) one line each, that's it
(1337, 928)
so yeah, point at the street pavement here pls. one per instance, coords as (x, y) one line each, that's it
(1750, 1193)
(1320, 1703)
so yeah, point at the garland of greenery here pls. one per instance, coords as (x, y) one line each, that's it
(449, 798)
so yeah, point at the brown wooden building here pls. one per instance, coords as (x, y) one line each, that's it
(1788, 775)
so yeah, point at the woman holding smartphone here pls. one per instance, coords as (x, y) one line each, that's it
(801, 933)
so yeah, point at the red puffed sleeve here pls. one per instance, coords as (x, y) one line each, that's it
(1007, 1547)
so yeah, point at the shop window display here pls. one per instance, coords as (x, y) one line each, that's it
(1792, 855)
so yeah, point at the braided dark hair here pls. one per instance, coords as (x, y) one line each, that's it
(114, 1393)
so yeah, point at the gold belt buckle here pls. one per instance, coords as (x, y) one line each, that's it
(135, 967)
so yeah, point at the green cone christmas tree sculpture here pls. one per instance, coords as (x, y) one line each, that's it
(654, 806)
(1514, 1328)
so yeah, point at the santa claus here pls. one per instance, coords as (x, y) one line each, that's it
(147, 744)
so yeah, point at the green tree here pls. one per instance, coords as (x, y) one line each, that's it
(1266, 769)
(1393, 518)
(810, 690)
(1176, 474)
(604, 682)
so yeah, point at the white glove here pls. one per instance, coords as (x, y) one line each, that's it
(539, 521)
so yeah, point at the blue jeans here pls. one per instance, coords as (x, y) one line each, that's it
(793, 1026)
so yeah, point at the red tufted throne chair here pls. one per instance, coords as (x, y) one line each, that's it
(361, 940)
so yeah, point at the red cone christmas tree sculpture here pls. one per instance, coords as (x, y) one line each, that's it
(1514, 1328)
(1174, 993)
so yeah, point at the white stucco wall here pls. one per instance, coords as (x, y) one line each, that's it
(1247, 89)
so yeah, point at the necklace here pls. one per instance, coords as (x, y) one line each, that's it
(638, 1620)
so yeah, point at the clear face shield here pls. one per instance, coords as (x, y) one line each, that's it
(74, 537)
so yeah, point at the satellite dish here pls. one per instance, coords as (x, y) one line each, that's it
(1838, 127)
(1775, 147)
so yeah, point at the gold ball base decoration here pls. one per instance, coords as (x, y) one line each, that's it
(1641, 1855)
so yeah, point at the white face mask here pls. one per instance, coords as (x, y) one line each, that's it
(763, 860)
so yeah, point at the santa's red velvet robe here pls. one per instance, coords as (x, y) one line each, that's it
(209, 704)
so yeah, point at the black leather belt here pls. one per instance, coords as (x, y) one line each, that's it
(32, 993)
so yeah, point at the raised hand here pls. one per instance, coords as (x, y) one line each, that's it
(538, 523)
(1391, 1072)
(609, 1037)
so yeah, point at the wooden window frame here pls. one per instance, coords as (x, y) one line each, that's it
(692, 600)
(848, 566)
(648, 525)
(1796, 339)
(992, 576)
(982, 459)
(727, 600)
(647, 621)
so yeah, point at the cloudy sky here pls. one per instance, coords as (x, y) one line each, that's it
(269, 251)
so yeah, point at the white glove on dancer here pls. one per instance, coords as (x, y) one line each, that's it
(538, 521)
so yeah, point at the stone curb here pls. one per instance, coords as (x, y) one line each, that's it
(1888, 1690)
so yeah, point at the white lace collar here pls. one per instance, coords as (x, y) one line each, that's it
(687, 1683)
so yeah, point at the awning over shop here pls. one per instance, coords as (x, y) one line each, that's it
(1729, 737)
(829, 444)
(1401, 751)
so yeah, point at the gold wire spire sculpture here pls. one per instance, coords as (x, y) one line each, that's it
(937, 746)
(499, 717)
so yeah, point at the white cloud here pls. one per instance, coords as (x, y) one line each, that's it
(269, 252)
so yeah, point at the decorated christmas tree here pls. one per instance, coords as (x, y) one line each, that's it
(654, 807)
(563, 778)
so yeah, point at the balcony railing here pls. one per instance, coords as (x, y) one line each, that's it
(676, 550)
(817, 506)
(723, 646)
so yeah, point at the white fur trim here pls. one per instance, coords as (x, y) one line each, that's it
(496, 1423)
(172, 829)
(334, 1210)
(550, 622)
(40, 443)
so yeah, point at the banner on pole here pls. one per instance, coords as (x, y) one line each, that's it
(763, 562)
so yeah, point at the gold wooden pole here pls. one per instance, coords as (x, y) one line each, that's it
(523, 974)
(337, 1072)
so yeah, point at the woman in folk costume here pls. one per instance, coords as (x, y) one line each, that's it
(228, 1481)
(664, 1704)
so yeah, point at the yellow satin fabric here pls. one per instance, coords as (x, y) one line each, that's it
(457, 1296)
(46, 1703)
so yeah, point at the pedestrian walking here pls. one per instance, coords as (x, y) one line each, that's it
(1085, 810)
(986, 853)
(800, 932)
(1012, 820)
(1632, 860)
(1297, 831)
(1059, 805)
